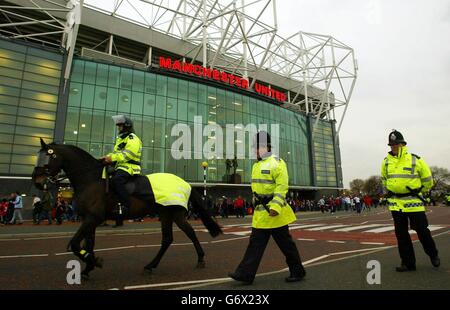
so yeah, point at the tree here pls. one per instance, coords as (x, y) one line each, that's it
(356, 186)
(373, 186)
(441, 182)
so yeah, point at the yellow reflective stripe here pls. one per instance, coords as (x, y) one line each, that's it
(281, 204)
(402, 176)
(260, 208)
(386, 163)
(82, 252)
(131, 153)
(413, 168)
(427, 179)
(262, 181)
(279, 196)
(172, 202)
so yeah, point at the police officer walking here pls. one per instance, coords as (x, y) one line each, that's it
(406, 178)
(127, 162)
(271, 215)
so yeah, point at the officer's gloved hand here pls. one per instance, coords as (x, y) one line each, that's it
(273, 212)
(389, 194)
(414, 191)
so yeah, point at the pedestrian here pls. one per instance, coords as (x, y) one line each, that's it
(271, 214)
(406, 177)
(3, 211)
(37, 208)
(18, 205)
(47, 203)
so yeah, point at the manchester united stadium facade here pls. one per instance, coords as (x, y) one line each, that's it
(67, 67)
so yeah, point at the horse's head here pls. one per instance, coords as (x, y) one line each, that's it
(49, 164)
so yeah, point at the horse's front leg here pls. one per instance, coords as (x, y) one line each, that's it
(86, 232)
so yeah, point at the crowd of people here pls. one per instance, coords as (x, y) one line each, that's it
(43, 208)
(240, 207)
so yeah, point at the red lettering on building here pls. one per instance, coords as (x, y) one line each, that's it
(220, 76)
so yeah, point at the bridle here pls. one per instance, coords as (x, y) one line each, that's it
(42, 162)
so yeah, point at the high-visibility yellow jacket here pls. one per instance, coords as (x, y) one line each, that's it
(403, 171)
(127, 153)
(169, 189)
(270, 177)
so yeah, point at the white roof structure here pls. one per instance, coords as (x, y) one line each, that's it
(238, 36)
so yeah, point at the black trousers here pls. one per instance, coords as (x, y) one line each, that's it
(257, 244)
(118, 181)
(419, 223)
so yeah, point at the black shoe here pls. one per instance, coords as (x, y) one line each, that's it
(404, 268)
(436, 261)
(117, 225)
(296, 277)
(235, 277)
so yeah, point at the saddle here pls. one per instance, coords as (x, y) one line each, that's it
(138, 185)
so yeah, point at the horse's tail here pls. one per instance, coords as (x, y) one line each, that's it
(199, 207)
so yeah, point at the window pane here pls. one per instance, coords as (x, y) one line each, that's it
(124, 104)
(172, 106)
(102, 74)
(112, 97)
(100, 97)
(138, 81)
(182, 110)
(137, 103)
(87, 97)
(149, 104)
(126, 78)
(90, 70)
(98, 119)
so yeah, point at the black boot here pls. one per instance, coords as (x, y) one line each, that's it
(295, 277)
(239, 278)
(404, 268)
(436, 261)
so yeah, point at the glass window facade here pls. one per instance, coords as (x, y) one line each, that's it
(325, 163)
(29, 89)
(156, 103)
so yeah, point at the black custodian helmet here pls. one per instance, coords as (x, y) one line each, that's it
(395, 137)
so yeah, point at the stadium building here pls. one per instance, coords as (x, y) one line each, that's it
(66, 67)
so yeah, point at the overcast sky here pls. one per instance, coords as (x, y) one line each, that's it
(403, 53)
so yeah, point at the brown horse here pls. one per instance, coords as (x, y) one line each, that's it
(95, 204)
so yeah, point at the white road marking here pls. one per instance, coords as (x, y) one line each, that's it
(133, 287)
(360, 250)
(225, 240)
(45, 238)
(372, 243)
(305, 226)
(117, 248)
(304, 239)
(24, 255)
(238, 233)
(326, 227)
(335, 241)
(315, 259)
(356, 227)
(380, 230)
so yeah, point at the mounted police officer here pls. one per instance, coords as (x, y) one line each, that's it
(127, 162)
(406, 178)
(270, 183)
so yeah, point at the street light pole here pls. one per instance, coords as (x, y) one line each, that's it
(205, 166)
